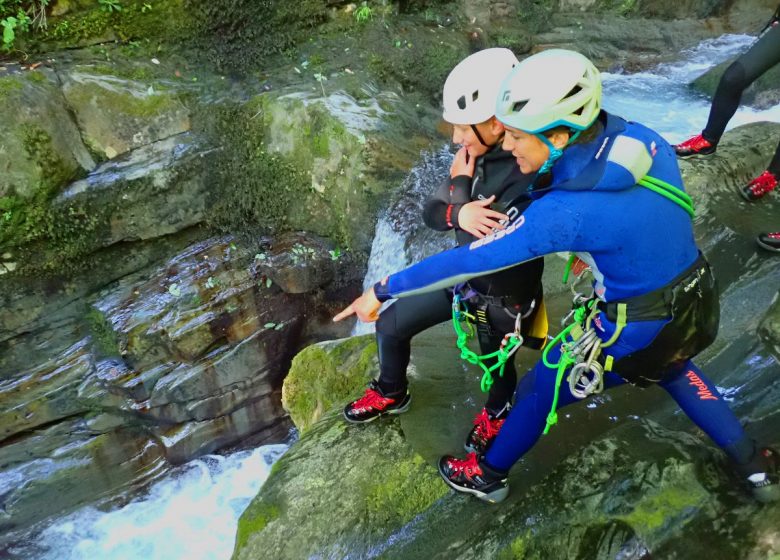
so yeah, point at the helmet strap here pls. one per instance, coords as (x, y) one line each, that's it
(555, 153)
(478, 135)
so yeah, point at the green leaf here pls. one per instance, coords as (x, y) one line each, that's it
(279, 327)
(174, 290)
(269, 325)
(268, 283)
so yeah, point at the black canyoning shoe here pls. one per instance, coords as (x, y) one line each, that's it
(695, 146)
(769, 241)
(485, 430)
(374, 403)
(765, 483)
(473, 477)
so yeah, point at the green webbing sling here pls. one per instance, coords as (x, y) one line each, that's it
(501, 355)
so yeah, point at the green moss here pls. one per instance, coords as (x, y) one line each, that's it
(661, 508)
(37, 143)
(167, 21)
(36, 77)
(103, 334)
(9, 85)
(401, 490)
(254, 520)
(239, 35)
(320, 378)
(144, 106)
(418, 58)
(516, 550)
(256, 188)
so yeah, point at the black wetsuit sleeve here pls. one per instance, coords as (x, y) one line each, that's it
(440, 212)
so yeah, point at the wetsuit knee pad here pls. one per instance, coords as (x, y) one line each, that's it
(695, 310)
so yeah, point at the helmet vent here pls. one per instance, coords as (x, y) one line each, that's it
(518, 106)
(461, 102)
(475, 95)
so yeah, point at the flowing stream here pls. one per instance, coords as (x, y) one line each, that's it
(192, 513)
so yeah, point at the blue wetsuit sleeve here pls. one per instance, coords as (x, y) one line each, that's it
(548, 225)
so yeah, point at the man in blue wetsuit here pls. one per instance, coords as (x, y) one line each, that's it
(612, 194)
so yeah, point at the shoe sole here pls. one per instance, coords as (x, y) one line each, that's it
(767, 247)
(399, 410)
(768, 494)
(747, 197)
(696, 154)
(492, 498)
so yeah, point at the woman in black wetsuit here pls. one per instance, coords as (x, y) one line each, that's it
(485, 188)
(762, 56)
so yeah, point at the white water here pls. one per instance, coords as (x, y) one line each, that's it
(191, 514)
(660, 97)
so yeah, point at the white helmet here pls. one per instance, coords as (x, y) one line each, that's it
(552, 88)
(472, 87)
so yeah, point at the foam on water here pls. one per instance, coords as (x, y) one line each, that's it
(192, 513)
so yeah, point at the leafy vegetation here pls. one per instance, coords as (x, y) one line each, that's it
(17, 17)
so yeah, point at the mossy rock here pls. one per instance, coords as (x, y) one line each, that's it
(338, 492)
(327, 373)
(292, 162)
(117, 115)
(42, 151)
(761, 94)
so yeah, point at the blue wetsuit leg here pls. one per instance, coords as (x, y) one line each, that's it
(700, 399)
(528, 417)
(534, 396)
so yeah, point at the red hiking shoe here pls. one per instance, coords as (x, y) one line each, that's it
(758, 187)
(473, 477)
(696, 146)
(374, 403)
(485, 430)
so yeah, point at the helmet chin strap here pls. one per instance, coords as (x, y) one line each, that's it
(555, 153)
(478, 135)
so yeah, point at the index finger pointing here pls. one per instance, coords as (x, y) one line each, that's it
(350, 310)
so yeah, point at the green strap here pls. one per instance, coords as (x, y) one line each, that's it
(501, 355)
(569, 264)
(678, 196)
(669, 187)
(622, 309)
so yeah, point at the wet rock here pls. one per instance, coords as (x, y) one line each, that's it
(116, 115)
(769, 329)
(46, 393)
(611, 41)
(154, 191)
(713, 182)
(42, 149)
(58, 468)
(299, 263)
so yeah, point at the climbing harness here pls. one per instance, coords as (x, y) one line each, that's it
(509, 344)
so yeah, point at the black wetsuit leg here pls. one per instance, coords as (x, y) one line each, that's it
(503, 387)
(395, 328)
(764, 54)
